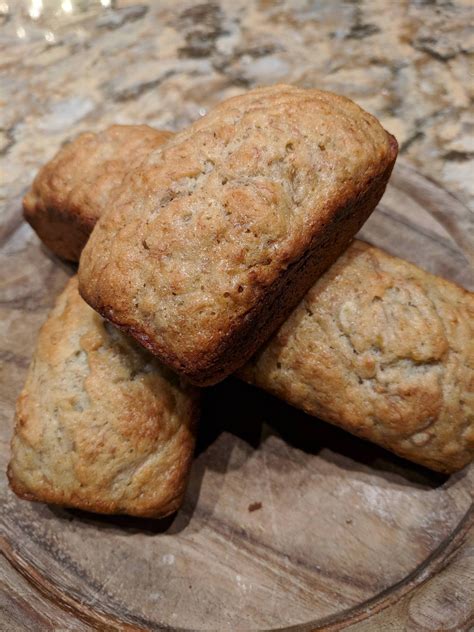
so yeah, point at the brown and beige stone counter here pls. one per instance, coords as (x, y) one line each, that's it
(165, 63)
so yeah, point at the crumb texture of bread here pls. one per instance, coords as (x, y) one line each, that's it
(72, 190)
(100, 424)
(383, 350)
(220, 232)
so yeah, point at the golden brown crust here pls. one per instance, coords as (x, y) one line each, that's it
(384, 350)
(216, 236)
(73, 189)
(100, 425)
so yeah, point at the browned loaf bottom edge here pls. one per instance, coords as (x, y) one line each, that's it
(64, 233)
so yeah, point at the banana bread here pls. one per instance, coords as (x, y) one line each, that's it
(219, 233)
(100, 425)
(364, 260)
(73, 189)
(384, 350)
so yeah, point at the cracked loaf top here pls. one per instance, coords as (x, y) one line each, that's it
(219, 233)
(384, 350)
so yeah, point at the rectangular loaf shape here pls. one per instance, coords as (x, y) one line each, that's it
(212, 241)
(383, 350)
(100, 426)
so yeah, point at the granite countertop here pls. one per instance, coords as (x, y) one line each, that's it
(166, 63)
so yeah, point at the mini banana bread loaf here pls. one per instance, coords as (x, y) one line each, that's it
(218, 234)
(384, 350)
(73, 189)
(101, 425)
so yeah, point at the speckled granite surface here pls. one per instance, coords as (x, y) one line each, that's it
(165, 63)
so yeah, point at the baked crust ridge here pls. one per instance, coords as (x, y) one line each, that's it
(215, 238)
